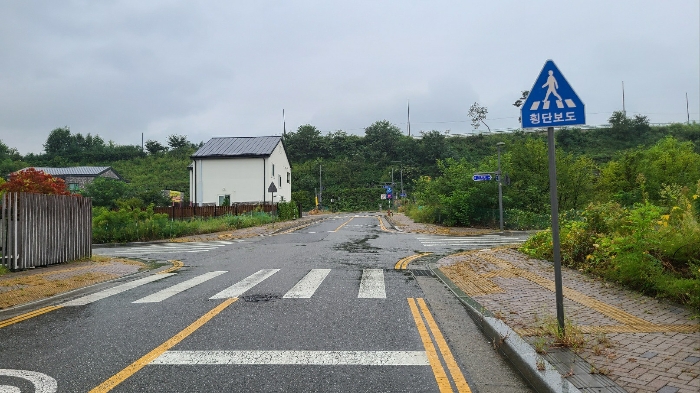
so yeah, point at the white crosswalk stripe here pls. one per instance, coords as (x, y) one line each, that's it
(163, 248)
(308, 285)
(483, 241)
(241, 287)
(115, 290)
(181, 287)
(371, 286)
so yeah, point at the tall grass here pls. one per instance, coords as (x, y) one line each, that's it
(649, 248)
(133, 224)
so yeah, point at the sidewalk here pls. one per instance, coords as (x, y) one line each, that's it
(622, 341)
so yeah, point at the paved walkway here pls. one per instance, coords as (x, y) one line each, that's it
(640, 343)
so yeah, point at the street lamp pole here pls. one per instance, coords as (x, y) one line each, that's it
(500, 184)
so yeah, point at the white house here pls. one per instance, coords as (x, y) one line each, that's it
(242, 168)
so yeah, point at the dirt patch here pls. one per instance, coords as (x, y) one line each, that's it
(35, 284)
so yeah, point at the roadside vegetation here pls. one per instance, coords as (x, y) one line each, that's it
(131, 223)
(627, 194)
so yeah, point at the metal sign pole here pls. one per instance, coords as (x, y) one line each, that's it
(500, 185)
(555, 229)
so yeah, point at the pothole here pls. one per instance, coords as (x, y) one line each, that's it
(260, 298)
(359, 246)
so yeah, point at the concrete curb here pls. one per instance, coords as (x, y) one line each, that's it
(523, 357)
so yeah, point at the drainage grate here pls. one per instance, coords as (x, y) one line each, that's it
(422, 272)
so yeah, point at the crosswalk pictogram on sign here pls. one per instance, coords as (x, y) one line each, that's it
(552, 102)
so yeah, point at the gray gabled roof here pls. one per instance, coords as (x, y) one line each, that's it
(261, 146)
(74, 171)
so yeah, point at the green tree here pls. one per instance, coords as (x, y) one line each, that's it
(382, 142)
(59, 141)
(154, 147)
(178, 142)
(529, 175)
(576, 180)
(305, 144)
(105, 192)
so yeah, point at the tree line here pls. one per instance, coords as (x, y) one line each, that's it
(354, 168)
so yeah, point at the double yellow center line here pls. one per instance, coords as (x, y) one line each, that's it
(32, 314)
(402, 264)
(418, 307)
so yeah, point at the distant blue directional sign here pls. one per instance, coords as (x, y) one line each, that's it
(552, 102)
(481, 177)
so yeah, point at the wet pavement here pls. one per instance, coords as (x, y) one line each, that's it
(640, 343)
(623, 341)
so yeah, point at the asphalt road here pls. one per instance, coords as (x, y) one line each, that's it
(322, 309)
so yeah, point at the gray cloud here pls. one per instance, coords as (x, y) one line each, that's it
(122, 68)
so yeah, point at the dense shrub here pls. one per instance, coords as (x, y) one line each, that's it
(653, 249)
(287, 210)
(129, 224)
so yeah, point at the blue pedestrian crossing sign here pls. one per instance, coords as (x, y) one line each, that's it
(552, 102)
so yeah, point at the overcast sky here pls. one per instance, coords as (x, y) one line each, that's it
(227, 68)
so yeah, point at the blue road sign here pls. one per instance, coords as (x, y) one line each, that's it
(388, 196)
(552, 102)
(481, 177)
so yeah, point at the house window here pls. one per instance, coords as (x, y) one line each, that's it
(73, 187)
(225, 200)
(279, 181)
(289, 178)
(273, 169)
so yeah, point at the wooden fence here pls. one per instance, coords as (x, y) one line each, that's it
(41, 230)
(183, 212)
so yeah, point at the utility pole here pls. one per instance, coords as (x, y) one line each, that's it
(500, 184)
(687, 107)
(320, 188)
(392, 186)
(624, 112)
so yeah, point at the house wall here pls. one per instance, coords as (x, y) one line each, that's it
(241, 178)
(244, 179)
(83, 180)
(278, 158)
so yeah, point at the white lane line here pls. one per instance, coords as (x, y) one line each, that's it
(177, 288)
(372, 284)
(247, 283)
(305, 288)
(317, 358)
(115, 290)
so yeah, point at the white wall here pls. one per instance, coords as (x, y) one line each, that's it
(241, 178)
(278, 158)
(244, 179)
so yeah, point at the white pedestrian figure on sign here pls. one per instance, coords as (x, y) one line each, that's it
(551, 86)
